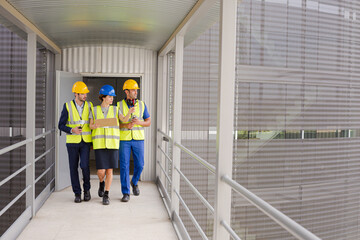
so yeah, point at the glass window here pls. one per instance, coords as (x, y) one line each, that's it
(12, 121)
(296, 116)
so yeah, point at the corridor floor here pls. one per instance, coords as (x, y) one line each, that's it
(143, 217)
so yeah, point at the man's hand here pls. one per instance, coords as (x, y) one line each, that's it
(132, 110)
(130, 125)
(135, 121)
(76, 130)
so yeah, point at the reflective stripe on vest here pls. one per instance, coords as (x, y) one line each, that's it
(137, 132)
(74, 120)
(106, 137)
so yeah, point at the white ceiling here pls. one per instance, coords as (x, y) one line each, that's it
(140, 23)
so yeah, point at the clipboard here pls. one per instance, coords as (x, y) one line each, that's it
(107, 122)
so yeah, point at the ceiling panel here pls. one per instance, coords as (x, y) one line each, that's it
(141, 23)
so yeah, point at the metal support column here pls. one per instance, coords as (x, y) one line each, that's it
(50, 108)
(58, 62)
(161, 114)
(179, 52)
(30, 120)
(225, 115)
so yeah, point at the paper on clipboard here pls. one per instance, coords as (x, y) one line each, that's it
(107, 122)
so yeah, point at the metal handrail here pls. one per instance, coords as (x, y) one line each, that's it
(193, 155)
(47, 170)
(230, 230)
(197, 193)
(166, 155)
(167, 136)
(44, 134)
(42, 155)
(287, 223)
(14, 200)
(164, 196)
(14, 174)
(14, 146)
(210, 167)
(166, 175)
(192, 218)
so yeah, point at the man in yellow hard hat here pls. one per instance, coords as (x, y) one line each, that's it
(132, 138)
(74, 121)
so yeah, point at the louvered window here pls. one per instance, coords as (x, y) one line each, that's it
(13, 92)
(45, 114)
(297, 116)
(12, 122)
(199, 119)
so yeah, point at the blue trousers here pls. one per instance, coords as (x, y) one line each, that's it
(76, 152)
(137, 148)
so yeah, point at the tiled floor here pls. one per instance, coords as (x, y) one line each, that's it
(143, 217)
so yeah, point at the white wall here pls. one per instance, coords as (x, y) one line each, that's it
(119, 60)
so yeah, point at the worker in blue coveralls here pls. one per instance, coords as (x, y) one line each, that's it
(74, 121)
(132, 138)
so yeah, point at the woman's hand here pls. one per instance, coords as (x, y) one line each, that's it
(93, 125)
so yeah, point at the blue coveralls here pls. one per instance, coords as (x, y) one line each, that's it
(137, 147)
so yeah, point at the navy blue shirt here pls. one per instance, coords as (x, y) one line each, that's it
(63, 120)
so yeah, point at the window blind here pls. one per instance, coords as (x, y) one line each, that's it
(296, 141)
(199, 121)
(12, 122)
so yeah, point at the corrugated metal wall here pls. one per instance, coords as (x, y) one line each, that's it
(122, 60)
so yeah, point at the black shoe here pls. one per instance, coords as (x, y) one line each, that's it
(77, 198)
(101, 189)
(136, 189)
(87, 196)
(106, 200)
(125, 198)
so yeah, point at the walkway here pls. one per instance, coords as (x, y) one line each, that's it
(143, 218)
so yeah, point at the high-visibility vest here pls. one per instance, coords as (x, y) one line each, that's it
(106, 137)
(137, 132)
(74, 120)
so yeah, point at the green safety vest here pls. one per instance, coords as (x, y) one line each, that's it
(74, 120)
(137, 132)
(106, 137)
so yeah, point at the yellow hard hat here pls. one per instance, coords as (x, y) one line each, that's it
(80, 87)
(130, 84)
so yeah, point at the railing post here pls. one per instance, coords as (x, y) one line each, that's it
(225, 122)
(175, 186)
(30, 119)
(161, 115)
(50, 109)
